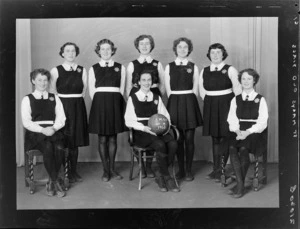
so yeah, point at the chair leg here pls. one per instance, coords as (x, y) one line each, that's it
(255, 179)
(223, 178)
(31, 176)
(131, 165)
(140, 170)
(66, 170)
(26, 166)
(264, 169)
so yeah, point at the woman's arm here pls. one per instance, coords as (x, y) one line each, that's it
(161, 74)
(202, 91)
(91, 83)
(232, 119)
(233, 75)
(195, 80)
(123, 80)
(84, 81)
(167, 80)
(53, 79)
(130, 70)
(60, 117)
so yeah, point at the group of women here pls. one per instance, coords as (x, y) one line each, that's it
(234, 115)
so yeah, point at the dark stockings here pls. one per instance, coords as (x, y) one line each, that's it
(186, 148)
(73, 157)
(240, 163)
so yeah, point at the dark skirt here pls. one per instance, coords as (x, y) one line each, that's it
(256, 143)
(184, 111)
(215, 113)
(107, 114)
(32, 139)
(155, 90)
(76, 127)
(143, 139)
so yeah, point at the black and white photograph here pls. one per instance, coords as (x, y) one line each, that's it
(168, 115)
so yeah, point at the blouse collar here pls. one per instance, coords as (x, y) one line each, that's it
(103, 63)
(141, 59)
(179, 61)
(67, 67)
(141, 95)
(251, 95)
(38, 95)
(214, 66)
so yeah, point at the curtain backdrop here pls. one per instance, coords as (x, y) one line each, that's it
(250, 42)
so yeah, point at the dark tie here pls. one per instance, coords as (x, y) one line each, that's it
(181, 63)
(145, 61)
(247, 98)
(71, 69)
(216, 68)
(106, 64)
(42, 97)
(146, 97)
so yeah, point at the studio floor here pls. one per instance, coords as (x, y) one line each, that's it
(93, 193)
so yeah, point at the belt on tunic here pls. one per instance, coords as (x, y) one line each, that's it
(221, 92)
(182, 92)
(142, 119)
(70, 95)
(44, 122)
(107, 89)
(248, 120)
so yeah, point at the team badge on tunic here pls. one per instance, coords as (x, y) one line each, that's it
(117, 69)
(78, 70)
(156, 102)
(189, 70)
(256, 100)
(224, 71)
(155, 64)
(51, 98)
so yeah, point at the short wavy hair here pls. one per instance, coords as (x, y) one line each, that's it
(62, 48)
(105, 41)
(142, 37)
(186, 40)
(251, 72)
(41, 71)
(217, 46)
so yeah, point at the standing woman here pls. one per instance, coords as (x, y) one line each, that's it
(181, 80)
(218, 84)
(106, 87)
(69, 81)
(43, 116)
(145, 44)
(248, 120)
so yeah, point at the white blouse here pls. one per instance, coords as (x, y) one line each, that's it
(131, 120)
(67, 67)
(262, 120)
(232, 73)
(60, 117)
(130, 70)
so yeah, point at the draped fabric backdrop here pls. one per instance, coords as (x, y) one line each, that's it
(250, 42)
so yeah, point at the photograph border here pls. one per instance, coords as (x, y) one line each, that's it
(286, 216)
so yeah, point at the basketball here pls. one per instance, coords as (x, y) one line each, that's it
(159, 124)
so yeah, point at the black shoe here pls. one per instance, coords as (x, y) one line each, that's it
(171, 185)
(161, 184)
(189, 176)
(218, 176)
(211, 176)
(59, 190)
(50, 190)
(78, 178)
(232, 190)
(150, 172)
(180, 175)
(105, 177)
(115, 175)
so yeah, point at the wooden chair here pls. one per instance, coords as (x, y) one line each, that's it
(143, 153)
(257, 180)
(29, 170)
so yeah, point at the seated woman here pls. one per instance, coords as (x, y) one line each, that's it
(43, 116)
(141, 106)
(248, 120)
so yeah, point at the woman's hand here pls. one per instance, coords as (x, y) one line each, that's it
(147, 129)
(243, 135)
(48, 131)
